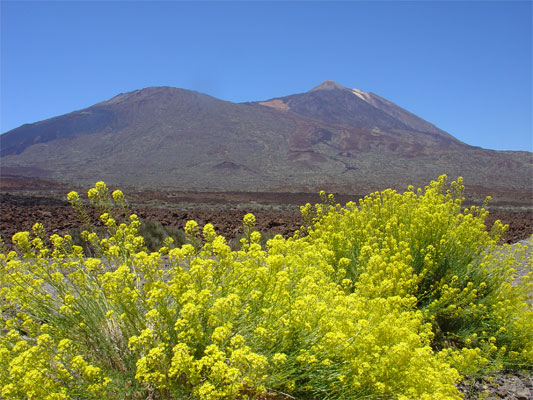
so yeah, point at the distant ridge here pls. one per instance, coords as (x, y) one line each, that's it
(330, 137)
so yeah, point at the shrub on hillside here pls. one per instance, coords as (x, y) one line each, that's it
(351, 309)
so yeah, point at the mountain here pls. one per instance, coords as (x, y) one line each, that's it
(330, 137)
(333, 103)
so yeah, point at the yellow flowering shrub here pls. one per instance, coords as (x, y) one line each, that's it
(355, 306)
(423, 245)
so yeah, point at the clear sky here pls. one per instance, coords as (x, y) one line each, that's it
(465, 66)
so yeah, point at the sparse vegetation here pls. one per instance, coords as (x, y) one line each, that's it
(154, 235)
(395, 297)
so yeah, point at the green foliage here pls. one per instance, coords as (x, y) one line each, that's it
(391, 299)
(155, 234)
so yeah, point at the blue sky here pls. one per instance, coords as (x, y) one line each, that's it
(465, 66)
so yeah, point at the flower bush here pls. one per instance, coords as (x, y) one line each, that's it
(394, 298)
(424, 244)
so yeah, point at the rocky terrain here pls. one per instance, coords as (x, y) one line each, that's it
(19, 213)
(510, 385)
(26, 201)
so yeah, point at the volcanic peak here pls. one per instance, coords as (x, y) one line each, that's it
(332, 85)
(328, 85)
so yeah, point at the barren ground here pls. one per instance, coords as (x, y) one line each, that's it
(26, 201)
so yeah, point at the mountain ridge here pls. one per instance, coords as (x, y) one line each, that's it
(329, 137)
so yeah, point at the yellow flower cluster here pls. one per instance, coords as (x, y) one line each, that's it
(352, 307)
(44, 369)
(422, 246)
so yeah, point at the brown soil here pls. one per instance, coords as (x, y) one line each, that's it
(26, 201)
(19, 213)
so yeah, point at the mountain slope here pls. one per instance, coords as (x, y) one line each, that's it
(333, 103)
(328, 138)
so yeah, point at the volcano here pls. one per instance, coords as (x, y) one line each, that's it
(331, 137)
